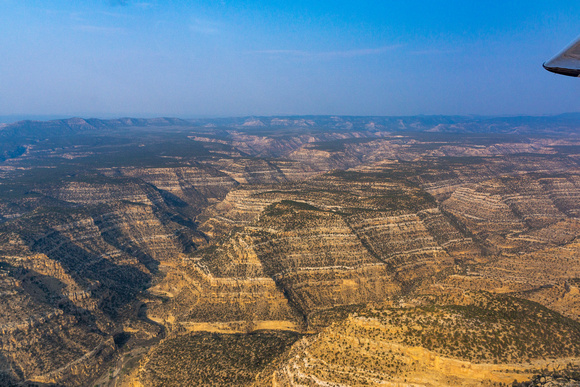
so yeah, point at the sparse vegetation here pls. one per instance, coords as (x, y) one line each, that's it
(206, 359)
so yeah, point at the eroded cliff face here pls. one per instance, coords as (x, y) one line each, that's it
(67, 281)
(73, 273)
(195, 186)
(337, 239)
(48, 318)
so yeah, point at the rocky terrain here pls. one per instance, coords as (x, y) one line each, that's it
(450, 339)
(290, 251)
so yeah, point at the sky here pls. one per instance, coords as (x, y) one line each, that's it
(144, 58)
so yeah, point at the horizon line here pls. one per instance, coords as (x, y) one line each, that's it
(15, 118)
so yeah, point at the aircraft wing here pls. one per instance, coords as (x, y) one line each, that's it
(566, 62)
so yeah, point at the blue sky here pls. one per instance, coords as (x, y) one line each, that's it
(104, 58)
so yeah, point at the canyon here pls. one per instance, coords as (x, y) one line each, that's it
(281, 251)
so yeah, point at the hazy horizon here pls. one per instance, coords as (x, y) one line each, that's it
(17, 118)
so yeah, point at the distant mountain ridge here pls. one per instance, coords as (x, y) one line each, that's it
(435, 123)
